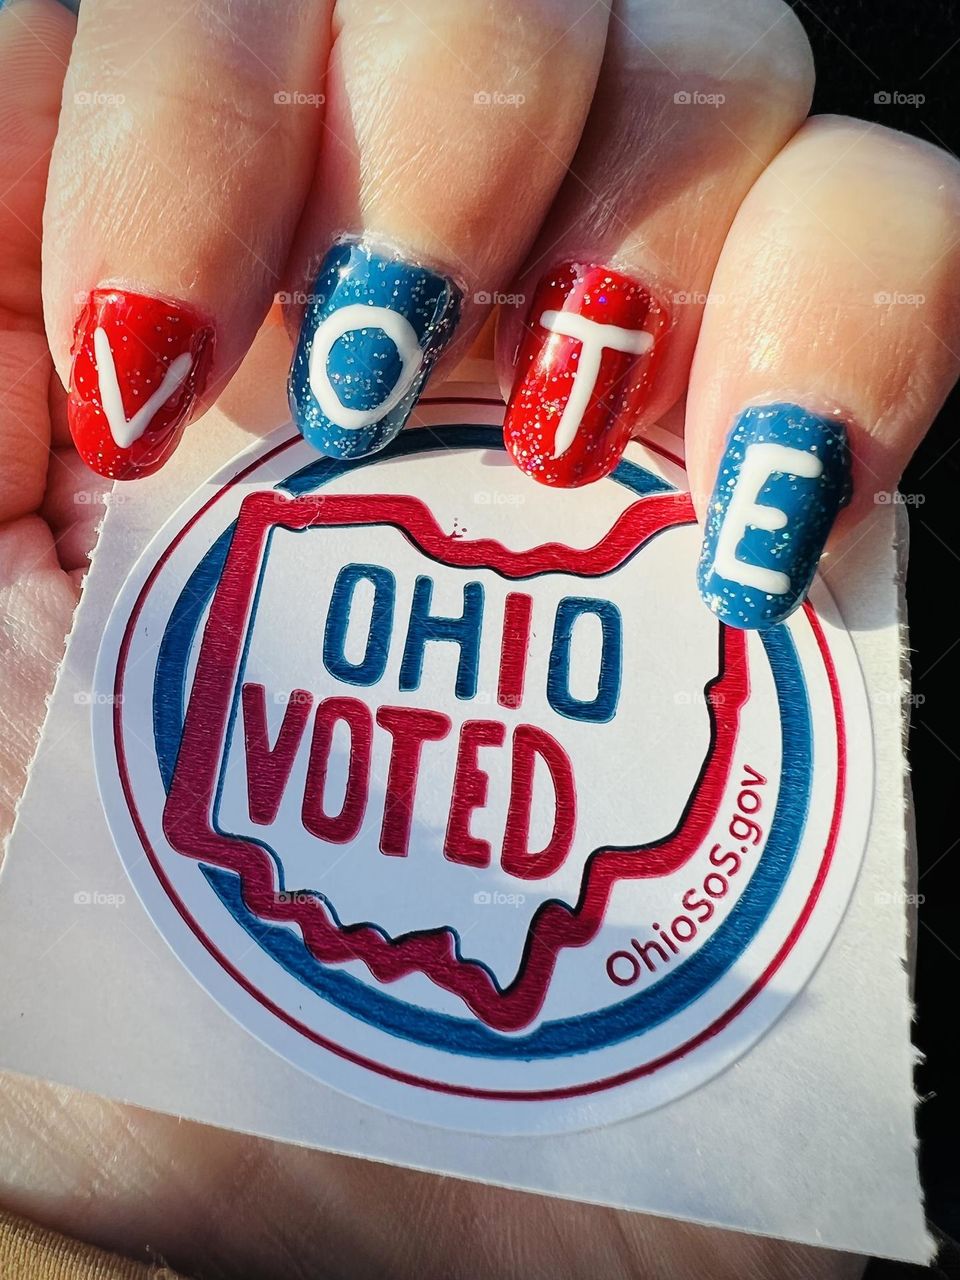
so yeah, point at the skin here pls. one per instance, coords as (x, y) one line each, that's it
(808, 223)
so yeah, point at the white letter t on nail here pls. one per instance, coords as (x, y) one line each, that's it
(593, 337)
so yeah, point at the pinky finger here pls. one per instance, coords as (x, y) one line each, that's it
(830, 341)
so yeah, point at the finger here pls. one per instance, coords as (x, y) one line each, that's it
(36, 597)
(831, 341)
(185, 151)
(449, 125)
(73, 507)
(34, 46)
(693, 99)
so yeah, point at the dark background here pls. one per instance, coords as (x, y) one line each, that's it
(864, 48)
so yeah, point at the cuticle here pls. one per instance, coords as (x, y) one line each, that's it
(386, 247)
(126, 284)
(653, 282)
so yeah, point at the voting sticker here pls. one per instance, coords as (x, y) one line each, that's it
(450, 790)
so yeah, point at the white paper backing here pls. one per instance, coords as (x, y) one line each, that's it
(808, 1136)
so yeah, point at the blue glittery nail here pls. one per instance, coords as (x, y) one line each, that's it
(784, 475)
(372, 331)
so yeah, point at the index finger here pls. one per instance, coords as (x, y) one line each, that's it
(186, 145)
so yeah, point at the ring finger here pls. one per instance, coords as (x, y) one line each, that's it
(694, 98)
(831, 341)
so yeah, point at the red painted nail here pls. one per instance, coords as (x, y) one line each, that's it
(593, 342)
(139, 365)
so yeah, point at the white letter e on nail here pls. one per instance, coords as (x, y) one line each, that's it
(760, 462)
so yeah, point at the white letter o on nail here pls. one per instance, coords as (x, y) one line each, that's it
(346, 320)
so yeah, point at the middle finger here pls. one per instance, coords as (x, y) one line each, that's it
(448, 128)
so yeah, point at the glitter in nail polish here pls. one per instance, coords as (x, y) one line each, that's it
(131, 391)
(371, 333)
(784, 475)
(584, 373)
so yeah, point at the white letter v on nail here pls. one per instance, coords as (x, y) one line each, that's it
(126, 431)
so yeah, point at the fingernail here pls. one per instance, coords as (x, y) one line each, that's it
(373, 329)
(784, 476)
(584, 373)
(139, 365)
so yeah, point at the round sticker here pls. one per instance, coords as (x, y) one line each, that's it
(450, 790)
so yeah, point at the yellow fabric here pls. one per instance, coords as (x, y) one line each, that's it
(29, 1252)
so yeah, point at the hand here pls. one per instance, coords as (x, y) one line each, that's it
(178, 174)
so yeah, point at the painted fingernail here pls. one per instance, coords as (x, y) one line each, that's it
(784, 475)
(372, 331)
(139, 365)
(584, 373)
